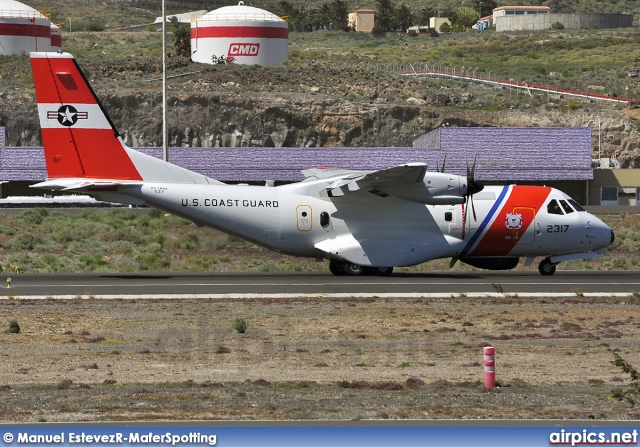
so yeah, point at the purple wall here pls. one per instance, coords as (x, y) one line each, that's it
(518, 154)
(503, 155)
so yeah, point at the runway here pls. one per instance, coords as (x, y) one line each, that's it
(287, 285)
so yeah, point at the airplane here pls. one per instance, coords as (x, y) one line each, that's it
(360, 221)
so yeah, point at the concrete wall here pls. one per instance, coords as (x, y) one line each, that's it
(570, 21)
(626, 180)
(362, 20)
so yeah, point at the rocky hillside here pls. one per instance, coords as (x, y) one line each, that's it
(299, 119)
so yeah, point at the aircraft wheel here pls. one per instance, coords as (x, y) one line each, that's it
(383, 271)
(337, 268)
(546, 267)
(353, 269)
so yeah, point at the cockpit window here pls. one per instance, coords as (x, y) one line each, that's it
(575, 205)
(565, 206)
(554, 208)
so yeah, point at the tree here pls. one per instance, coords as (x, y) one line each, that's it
(340, 14)
(425, 14)
(463, 19)
(321, 16)
(181, 39)
(485, 7)
(294, 15)
(404, 17)
(384, 17)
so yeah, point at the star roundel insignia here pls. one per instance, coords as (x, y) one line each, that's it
(67, 115)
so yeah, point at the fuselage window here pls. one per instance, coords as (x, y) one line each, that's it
(575, 205)
(448, 216)
(554, 208)
(324, 219)
(565, 206)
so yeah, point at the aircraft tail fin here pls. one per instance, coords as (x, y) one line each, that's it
(80, 140)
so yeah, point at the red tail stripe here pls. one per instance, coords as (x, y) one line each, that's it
(99, 154)
(50, 75)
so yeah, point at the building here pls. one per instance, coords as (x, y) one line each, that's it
(24, 29)
(186, 17)
(519, 11)
(436, 22)
(520, 18)
(241, 35)
(362, 20)
(615, 187)
(484, 23)
(554, 156)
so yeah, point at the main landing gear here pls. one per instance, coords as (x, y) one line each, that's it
(546, 267)
(346, 268)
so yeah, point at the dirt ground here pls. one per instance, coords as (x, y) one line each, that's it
(314, 359)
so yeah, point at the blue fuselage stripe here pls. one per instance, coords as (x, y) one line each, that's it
(485, 222)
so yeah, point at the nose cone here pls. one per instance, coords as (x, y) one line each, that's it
(474, 186)
(613, 237)
(599, 234)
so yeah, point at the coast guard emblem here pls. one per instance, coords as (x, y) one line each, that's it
(514, 221)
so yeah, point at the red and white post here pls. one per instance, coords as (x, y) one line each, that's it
(489, 367)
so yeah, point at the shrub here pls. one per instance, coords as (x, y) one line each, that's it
(377, 31)
(14, 327)
(557, 25)
(25, 242)
(240, 325)
(629, 395)
(155, 213)
(35, 216)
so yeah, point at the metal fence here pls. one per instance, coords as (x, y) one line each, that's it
(476, 76)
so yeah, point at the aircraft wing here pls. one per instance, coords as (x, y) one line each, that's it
(411, 173)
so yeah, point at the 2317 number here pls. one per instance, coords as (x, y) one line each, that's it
(557, 228)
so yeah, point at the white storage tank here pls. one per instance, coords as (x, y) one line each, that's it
(241, 35)
(56, 38)
(22, 29)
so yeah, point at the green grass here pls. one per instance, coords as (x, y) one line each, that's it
(568, 59)
(124, 241)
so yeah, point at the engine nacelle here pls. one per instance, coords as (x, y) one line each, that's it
(437, 188)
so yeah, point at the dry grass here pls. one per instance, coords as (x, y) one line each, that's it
(181, 359)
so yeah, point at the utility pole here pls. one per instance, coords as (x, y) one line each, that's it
(165, 148)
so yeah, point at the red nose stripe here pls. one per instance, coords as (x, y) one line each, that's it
(499, 239)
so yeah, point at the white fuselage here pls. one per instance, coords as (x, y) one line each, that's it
(300, 219)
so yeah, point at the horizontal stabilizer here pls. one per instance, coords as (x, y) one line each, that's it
(83, 185)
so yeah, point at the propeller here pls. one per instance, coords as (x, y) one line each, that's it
(473, 187)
